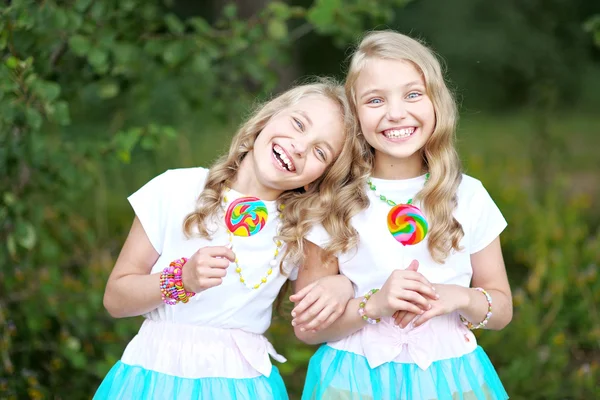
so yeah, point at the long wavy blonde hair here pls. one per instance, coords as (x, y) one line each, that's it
(324, 201)
(438, 197)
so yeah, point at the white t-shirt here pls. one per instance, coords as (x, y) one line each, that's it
(378, 253)
(161, 206)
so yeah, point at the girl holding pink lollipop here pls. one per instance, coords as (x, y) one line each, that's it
(408, 333)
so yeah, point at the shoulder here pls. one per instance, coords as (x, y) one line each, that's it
(469, 188)
(183, 179)
(189, 175)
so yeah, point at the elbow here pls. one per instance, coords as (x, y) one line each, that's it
(505, 320)
(306, 337)
(113, 309)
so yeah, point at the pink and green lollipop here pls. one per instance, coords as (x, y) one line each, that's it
(407, 224)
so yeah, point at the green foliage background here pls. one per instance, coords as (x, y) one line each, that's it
(99, 96)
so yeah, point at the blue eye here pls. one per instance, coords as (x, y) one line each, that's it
(375, 101)
(298, 124)
(413, 95)
(321, 154)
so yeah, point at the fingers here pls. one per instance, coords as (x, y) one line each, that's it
(212, 272)
(406, 319)
(309, 314)
(206, 283)
(218, 251)
(318, 322)
(418, 289)
(219, 263)
(330, 320)
(413, 266)
(398, 315)
(413, 280)
(296, 297)
(305, 303)
(403, 305)
(426, 316)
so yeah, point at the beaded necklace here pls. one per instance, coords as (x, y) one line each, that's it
(246, 216)
(405, 221)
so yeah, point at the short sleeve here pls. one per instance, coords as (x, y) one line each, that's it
(318, 235)
(149, 205)
(487, 223)
(293, 275)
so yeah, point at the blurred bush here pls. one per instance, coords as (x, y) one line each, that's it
(87, 86)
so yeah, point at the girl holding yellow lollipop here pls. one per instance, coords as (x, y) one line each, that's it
(210, 249)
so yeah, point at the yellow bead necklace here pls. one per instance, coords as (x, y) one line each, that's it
(248, 211)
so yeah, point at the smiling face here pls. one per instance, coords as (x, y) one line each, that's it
(298, 144)
(395, 114)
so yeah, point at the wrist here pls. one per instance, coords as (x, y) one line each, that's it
(371, 309)
(467, 299)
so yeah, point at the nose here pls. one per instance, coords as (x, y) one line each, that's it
(396, 111)
(299, 147)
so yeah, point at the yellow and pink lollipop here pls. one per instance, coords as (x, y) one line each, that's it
(246, 216)
(407, 224)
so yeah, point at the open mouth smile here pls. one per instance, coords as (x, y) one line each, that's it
(283, 159)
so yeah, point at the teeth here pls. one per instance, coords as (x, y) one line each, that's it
(398, 133)
(284, 157)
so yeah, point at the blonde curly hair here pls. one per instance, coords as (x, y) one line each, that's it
(324, 201)
(439, 153)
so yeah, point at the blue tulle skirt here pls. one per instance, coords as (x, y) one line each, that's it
(340, 375)
(133, 382)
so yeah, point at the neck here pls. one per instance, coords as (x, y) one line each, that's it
(246, 182)
(388, 167)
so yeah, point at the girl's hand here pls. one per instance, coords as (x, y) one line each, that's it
(206, 268)
(452, 298)
(319, 304)
(406, 290)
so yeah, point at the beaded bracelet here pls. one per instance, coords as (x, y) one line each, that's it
(171, 285)
(363, 303)
(487, 316)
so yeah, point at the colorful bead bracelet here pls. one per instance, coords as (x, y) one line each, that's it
(171, 285)
(483, 323)
(363, 303)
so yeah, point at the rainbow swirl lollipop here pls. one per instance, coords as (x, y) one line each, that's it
(407, 224)
(246, 216)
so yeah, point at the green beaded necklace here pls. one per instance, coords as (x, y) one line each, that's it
(390, 202)
(405, 221)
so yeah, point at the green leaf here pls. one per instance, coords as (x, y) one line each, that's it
(61, 113)
(48, 91)
(322, 14)
(98, 59)
(12, 62)
(79, 44)
(11, 245)
(3, 39)
(26, 235)
(82, 5)
(174, 24)
(230, 11)
(9, 198)
(277, 29)
(280, 9)
(174, 53)
(124, 156)
(199, 24)
(108, 90)
(34, 118)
